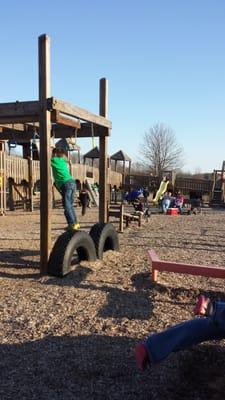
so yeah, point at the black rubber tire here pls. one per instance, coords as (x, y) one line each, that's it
(104, 237)
(68, 245)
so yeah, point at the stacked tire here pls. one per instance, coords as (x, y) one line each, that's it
(104, 237)
(72, 247)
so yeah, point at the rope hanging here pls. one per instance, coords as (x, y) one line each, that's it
(33, 141)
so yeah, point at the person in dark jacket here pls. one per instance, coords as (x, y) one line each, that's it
(84, 199)
(145, 195)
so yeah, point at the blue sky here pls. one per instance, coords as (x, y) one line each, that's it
(164, 59)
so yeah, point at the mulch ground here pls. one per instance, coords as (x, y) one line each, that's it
(73, 338)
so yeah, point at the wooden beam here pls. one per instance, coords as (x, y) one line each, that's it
(23, 119)
(19, 127)
(63, 119)
(84, 131)
(19, 111)
(77, 112)
(103, 153)
(45, 138)
(59, 133)
(212, 271)
(19, 137)
(19, 108)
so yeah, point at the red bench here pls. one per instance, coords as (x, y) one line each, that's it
(212, 271)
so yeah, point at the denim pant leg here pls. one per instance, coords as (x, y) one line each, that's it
(68, 192)
(182, 336)
(165, 205)
(218, 316)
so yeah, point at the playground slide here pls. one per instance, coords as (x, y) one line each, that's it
(93, 193)
(162, 189)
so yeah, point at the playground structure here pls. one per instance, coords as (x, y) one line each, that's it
(218, 188)
(162, 189)
(53, 117)
(211, 189)
(120, 156)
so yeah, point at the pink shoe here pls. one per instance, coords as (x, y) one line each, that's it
(201, 306)
(141, 356)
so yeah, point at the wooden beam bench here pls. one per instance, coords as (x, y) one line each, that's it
(117, 211)
(132, 217)
(212, 271)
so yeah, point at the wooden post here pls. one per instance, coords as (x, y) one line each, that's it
(2, 186)
(124, 172)
(103, 145)
(152, 258)
(129, 173)
(154, 275)
(121, 218)
(45, 140)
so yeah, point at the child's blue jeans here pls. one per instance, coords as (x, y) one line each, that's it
(186, 334)
(68, 192)
(165, 205)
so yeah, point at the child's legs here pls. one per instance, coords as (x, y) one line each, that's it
(218, 316)
(84, 203)
(73, 191)
(165, 205)
(182, 336)
(68, 191)
(84, 209)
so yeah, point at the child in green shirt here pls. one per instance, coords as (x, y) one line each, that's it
(66, 185)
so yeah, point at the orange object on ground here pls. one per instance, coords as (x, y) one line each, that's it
(172, 211)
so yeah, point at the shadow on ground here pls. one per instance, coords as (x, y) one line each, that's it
(103, 367)
(18, 260)
(119, 303)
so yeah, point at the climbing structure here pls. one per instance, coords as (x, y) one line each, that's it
(218, 189)
(50, 117)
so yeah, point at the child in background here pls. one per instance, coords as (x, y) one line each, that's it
(65, 184)
(166, 202)
(145, 194)
(179, 201)
(84, 198)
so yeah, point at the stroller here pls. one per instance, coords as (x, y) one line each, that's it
(133, 195)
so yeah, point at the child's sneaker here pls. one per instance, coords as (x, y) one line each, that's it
(74, 227)
(141, 356)
(202, 305)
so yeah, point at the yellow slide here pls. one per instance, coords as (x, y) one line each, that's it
(162, 189)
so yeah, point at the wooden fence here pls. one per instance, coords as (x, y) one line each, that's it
(20, 178)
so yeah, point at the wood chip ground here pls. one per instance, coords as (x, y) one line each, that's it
(73, 338)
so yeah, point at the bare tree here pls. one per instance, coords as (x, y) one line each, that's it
(160, 150)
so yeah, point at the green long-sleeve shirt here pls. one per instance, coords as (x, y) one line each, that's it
(60, 171)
